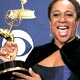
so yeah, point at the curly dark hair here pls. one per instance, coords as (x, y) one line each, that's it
(74, 2)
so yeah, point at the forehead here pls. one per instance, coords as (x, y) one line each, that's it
(63, 5)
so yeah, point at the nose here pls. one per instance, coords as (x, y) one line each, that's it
(62, 18)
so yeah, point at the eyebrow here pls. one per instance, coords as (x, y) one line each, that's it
(65, 11)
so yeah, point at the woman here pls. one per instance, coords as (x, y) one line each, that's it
(47, 61)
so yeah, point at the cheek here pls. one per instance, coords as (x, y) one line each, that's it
(73, 23)
(53, 23)
(73, 26)
(53, 27)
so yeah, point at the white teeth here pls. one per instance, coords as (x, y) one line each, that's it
(62, 27)
(63, 30)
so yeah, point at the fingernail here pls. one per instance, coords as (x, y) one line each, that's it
(13, 73)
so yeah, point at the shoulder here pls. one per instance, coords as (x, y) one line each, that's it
(41, 52)
(36, 55)
(41, 47)
(46, 48)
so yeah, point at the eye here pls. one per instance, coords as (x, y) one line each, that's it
(70, 15)
(56, 14)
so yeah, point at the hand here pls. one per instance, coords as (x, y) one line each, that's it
(33, 76)
(9, 51)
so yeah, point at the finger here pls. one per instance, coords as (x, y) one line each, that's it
(4, 59)
(9, 46)
(10, 51)
(34, 75)
(3, 53)
(13, 54)
(4, 56)
(23, 76)
(32, 72)
(9, 55)
(6, 49)
(15, 50)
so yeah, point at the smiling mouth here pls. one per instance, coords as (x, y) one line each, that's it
(62, 27)
(63, 30)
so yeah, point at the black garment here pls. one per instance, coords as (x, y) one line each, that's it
(71, 56)
(39, 53)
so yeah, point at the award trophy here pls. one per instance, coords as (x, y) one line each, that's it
(6, 68)
(14, 18)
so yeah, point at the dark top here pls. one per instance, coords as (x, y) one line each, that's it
(41, 52)
(70, 53)
(52, 73)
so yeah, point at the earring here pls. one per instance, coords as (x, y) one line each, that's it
(77, 34)
(50, 33)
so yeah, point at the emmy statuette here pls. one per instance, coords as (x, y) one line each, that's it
(12, 18)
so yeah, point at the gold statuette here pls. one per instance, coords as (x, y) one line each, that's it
(12, 18)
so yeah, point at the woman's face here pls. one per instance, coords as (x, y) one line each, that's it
(63, 21)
